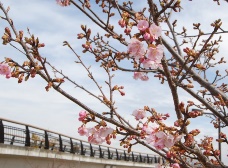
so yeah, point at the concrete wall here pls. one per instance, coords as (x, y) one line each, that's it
(28, 157)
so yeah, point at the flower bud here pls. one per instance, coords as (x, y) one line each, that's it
(83, 27)
(7, 31)
(217, 152)
(103, 123)
(181, 107)
(122, 23)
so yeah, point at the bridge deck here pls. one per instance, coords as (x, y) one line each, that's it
(26, 140)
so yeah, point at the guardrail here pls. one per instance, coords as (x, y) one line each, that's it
(16, 133)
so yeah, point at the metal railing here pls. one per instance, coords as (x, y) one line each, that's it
(16, 133)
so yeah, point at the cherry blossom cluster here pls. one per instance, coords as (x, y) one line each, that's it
(63, 2)
(158, 135)
(140, 75)
(5, 70)
(141, 114)
(124, 23)
(150, 57)
(96, 135)
(159, 138)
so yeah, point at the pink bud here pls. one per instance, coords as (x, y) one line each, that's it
(122, 23)
(167, 115)
(127, 31)
(176, 123)
(122, 93)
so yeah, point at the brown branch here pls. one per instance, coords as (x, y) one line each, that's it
(164, 8)
(205, 34)
(207, 105)
(195, 76)
(172, 87)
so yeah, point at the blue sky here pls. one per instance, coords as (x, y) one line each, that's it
(30, 103)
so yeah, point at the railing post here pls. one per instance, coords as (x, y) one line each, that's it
(148, 159)
(46, 145)
(60, 144)
(71, 147)
(1, 132)
(155, 159)
(163, 160)
(12, 140)
(82, 149)
(117, 155)
(125, 156)
(100, 151)
(133, 157)
(27, 136)
(109, 154)
(91, 151)
(140, 158)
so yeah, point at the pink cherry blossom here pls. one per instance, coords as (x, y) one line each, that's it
(155, 31)
(92, 130)
(159, 144)
(95, 139)
(156, 54)
(156, 66)
(147, 36)
(97, 136)
(148, 129)
(83, 131)
(160, 135)
(147, 63)
(151, 139)
(142, 25)
(63, 2)
(144, 78)
(169, 141)
(175, 165)
(139, 114)
(105, 131)
(5, 70)
(160, 140)
(136, 49)
(140, 75)
(127, 31)
(82, 115)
